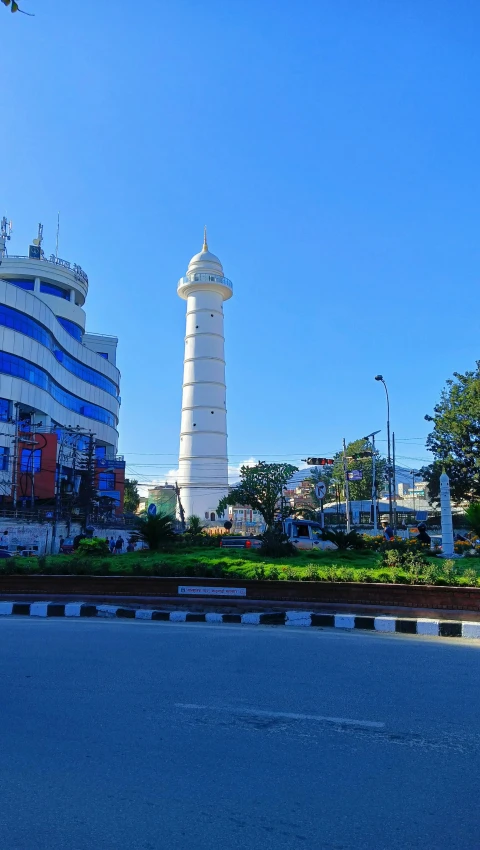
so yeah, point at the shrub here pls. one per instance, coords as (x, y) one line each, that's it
(93, 546)
(276, 545)
(156, 530)
(344, 541)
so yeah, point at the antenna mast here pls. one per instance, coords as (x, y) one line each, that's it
(5, 236)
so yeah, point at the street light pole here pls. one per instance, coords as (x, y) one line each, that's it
(347, 489)
(390, 505)
(414, 475)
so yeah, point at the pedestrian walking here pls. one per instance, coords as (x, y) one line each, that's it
(112, 545)
(119, 545)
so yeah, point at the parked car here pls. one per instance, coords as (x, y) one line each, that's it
(5, 554)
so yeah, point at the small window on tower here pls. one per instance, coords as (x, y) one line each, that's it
(212, 516)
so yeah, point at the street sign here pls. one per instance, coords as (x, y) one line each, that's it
(152, 510)
(320, 490)
(203, 590)
(355, 475)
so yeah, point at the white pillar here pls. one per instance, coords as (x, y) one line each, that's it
(203, 461)
(448, 549)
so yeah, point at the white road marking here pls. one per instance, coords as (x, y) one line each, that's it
(287, 715)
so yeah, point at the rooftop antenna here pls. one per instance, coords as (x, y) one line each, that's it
(5, 236)
(58, 231)
(205, 244)
(38, 241)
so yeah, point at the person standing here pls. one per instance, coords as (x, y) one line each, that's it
(119, 545)
(112, 545)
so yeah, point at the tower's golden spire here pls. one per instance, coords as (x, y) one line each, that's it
(205, 245)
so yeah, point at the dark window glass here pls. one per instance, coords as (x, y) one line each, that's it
(30, 461)
(100, 451)
(18, 321)
(71, 328)
(4, 409)
(103, 354)
(23, 284)
(20, 368)
(106, 481)
(4, 453)
(51, 289)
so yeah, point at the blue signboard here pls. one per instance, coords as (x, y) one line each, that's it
(152, 510)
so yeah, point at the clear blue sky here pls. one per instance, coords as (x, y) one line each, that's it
(333, 150)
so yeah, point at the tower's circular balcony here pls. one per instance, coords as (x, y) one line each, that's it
(194, 282)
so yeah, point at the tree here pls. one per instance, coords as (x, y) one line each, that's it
(359, 490)
(14, 7)
(455, 439)
(309, 501)
(131, 498)
(194, 525)
(155, 530)
(260, 487)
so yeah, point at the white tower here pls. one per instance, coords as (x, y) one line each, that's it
(203, 463)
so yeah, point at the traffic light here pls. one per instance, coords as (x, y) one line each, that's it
(359, 455)
(319, 461)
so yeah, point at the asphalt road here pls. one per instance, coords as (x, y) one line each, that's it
(148, 735)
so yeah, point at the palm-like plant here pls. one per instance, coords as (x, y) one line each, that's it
(155, 530)
(194, 525)
(473, 517)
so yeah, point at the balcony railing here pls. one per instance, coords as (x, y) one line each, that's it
(205, 278)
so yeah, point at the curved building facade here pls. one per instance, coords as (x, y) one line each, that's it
(54, 376)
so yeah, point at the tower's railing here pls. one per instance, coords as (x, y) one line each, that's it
(205, 278)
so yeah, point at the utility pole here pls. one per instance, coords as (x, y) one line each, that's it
(394, 479)
(347, 491)
(374, 482)
(32, 455)
(15, 459)
(180, 507)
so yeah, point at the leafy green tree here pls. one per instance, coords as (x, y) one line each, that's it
(359, 490)
(455, 439)
(194, 525)
(260, 487)
(319, 474)
(14, 7)
(155, 530)
(131, 499)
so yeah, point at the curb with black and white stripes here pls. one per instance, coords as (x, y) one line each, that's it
(402, 625)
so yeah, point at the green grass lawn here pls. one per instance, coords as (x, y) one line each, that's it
(244, 564)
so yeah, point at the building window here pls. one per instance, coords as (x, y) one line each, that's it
(51, 289)
(4, 453)
(212, 516)
(4, 410)
(30, 461)
(100, 451)
(71, 328)
(106, 481)
(18, 321)
(23, 284)
(103, 354)
(10, 364)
